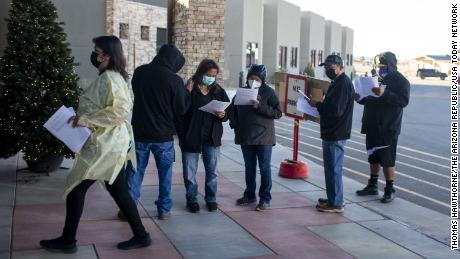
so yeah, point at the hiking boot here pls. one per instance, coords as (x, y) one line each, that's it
(164, 215)
(330, 208)
(370, 189)
(59, 245)
(121, 216)
(262, 206)
(388, 196)
(245, 201)
(212, 206)
(135, 242)
(193, 207)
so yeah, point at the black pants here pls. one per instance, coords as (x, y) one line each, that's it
(119, 192)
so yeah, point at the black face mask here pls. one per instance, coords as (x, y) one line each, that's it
(94, 60)
(330, 72)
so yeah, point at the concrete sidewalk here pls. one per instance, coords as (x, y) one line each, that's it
(31, 209)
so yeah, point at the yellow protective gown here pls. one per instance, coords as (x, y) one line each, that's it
(104, 108)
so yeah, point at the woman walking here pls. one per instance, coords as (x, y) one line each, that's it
(104, 108)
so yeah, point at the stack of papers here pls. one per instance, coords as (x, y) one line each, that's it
(363, 86)
(215, 106)
(58, 125)
(305, 107)
(244, 96)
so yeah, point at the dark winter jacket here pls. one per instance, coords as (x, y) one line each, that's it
(256, 126)
(336, 110)
(383, 115)
(191, 130)
(159, 96)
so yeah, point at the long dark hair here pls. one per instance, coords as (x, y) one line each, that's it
(112, 47)
(204, 66)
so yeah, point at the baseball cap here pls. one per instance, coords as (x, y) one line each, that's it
(332, 59)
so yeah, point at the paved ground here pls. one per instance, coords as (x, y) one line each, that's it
(423, 169)
(31, 209)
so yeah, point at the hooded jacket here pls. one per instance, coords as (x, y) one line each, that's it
(256, 126)
(160, 97)
(383, 115)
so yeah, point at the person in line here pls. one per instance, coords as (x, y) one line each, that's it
(104, 107)
(254, 128)
(381, 123)
(201, 132)
(336, 113)
(160, 99)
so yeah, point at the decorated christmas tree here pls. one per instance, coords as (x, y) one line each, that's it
(37, 77)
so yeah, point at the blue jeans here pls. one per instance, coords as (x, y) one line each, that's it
(333, 152)
(210, 155)
(263, 153)
(164, 158)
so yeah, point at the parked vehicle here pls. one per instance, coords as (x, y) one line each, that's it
(423, 73)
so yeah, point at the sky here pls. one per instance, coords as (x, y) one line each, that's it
(409, 28)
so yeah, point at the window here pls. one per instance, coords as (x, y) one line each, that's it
(294, 52)
(124, 30)
(313, 58)
(252, 54)
(351, 59)
(162, 37)
(145, 33)
(320, 56)
(282, 58)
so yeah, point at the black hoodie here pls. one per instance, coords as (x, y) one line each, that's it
(159, 96)
(383, 116)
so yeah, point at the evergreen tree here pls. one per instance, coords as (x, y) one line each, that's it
(37, 77)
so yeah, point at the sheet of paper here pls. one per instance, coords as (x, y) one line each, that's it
(305, 107)
(73, 138)
(372, 150)
(215, 106)
(363, 86)
(244, 96)
(304, 95)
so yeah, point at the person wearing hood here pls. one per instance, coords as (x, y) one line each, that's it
(254, 128)
(201, 132)
(336, 117)
(381, 123)
(160, 99)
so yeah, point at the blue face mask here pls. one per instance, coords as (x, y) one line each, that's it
(208, 80)
(383, 71)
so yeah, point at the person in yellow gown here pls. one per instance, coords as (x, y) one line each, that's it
(104, 108)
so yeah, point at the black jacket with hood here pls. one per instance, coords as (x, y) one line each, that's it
(256, 126)
(159, 96)
(336, 110)
(191, 124)
(382, 116)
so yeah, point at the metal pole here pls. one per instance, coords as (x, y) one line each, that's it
(296, 139)
(170, 29)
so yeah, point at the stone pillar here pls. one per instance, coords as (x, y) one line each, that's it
(198, 31)
(110, 16)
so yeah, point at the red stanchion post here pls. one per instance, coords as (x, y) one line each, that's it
(296, 139)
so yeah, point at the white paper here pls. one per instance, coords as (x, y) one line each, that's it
(215, 106)
(58, 125)
(304, 95)
(244, 96)
(305, 107)
(363, 86)
(372, 150)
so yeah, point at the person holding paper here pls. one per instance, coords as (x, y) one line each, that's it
(336, 113)
(255, 131)
(104, 107)
(381, 123)
(201, 132)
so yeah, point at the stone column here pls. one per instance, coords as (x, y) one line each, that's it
(198, 31)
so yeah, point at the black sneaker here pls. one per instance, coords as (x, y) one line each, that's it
(245, 201)
(121, 216)
(59, 245)
(322, 201)
(262, 206)
(135, 242)
(193, 207)
(164, 215)
(329, 208)
(388, 196)
(212, 206)
(370, 189)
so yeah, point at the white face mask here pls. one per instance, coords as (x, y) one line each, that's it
(254, 84)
